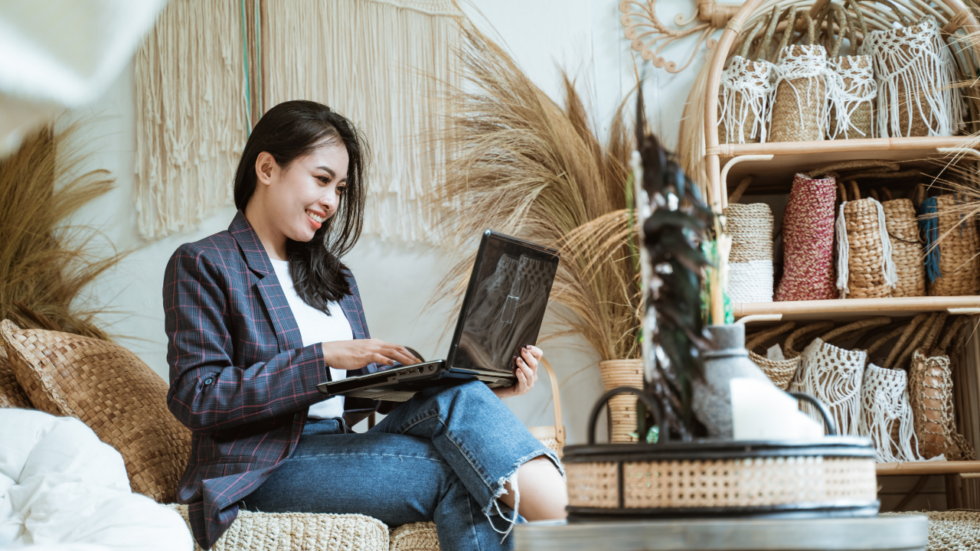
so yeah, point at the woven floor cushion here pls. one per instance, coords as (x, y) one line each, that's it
(112, 391)
(420, 536)
(11, 395)
(299, 532)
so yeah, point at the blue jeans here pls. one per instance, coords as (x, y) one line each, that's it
(442, 456)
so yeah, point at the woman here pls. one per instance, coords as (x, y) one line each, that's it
(258, 315)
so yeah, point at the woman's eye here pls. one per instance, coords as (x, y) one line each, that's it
(324, 179)
(341, 189)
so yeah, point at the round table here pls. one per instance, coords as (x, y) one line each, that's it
(905, 533)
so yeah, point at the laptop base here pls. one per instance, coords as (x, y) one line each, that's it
(401, 383)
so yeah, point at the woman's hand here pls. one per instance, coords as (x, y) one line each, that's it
(358, 353)
(526, 371)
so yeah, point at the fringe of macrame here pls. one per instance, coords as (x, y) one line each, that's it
(190, 115)
(845, 100)
(386, 66)
(926, 71)
(806, 63)
(887, 414)
(741, 81)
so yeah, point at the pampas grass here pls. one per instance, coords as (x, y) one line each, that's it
(44, 264)
(526, 166)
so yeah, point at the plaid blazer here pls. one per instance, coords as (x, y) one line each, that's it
(240, 377)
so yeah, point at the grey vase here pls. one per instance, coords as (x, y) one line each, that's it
(729, 360)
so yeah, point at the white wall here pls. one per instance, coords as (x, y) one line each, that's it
(582, 36)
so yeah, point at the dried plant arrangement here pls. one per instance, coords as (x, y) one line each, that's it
(44, 263)
(523, 165)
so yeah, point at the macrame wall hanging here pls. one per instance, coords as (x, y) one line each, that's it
(191, 120)
(212, 67)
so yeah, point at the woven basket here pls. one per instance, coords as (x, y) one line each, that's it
(718, 477)
(864, 263)
(799, 109)
(750, 277)
(916, 74)
(622, 409)
(11, 395)
(418, 536)
(952, 265)
(112, 391)
(553, 437)
(254, 531)
(780, 372)
(808, 241)
(745, 92)
(851, 87)
(903, 232)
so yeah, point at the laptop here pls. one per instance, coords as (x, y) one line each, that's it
(501, 313)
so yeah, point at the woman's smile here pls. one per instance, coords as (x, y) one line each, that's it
(316, 218)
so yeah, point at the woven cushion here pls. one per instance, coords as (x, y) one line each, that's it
(109, 389)
(419, 536)
(11, 395)
(299, 532)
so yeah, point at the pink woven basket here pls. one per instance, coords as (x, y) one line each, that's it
(808, 241)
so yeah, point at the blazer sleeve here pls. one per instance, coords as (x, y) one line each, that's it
(207, 391)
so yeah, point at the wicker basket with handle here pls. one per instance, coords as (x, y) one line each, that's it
(750, 269)
(808, 241)
(622, 409)
(799, 110)
(553, 437)
(903, 232)
(780, 372)
(864, 253)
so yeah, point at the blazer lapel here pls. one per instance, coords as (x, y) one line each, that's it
(353, 316)
(268, 288)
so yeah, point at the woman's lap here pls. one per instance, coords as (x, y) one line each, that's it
(395, 478)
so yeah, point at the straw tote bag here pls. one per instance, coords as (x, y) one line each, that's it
(903, 232)
(746, 91)
(750, 269)
(851, 87)
(864, 252)
(916, 78)
(886, 412)
(553, 437)
(808, 241)
(799, 111)
(952, 264)
(780, 372)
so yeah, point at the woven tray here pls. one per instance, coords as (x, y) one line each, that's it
(831, 476)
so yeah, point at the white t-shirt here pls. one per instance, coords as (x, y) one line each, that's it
(316, 327)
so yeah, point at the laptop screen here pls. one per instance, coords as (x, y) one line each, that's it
(504, 304)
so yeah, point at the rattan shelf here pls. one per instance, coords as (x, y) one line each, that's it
(927, 467)
(857, 307)
(772, 165)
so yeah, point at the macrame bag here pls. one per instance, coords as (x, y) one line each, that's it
(916, 75)
(808, 241)
(799, 110)
(931, 396)
(952, 264)
(903, 233)
(746, 92)
(833, 375)
(750, 270)
(851, 87)
(864, 252)
(886, 414)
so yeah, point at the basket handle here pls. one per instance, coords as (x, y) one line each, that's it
(764, 336)
(885, 338)
(855, 191)
(897, 349)
(860, 20)
(887, 193)
(828, 421)
(856, 326)
(651, 405)
(841, 16)
(788, 31)
(763, 51)
(737, 194)
(951, 333)
(556, 398)
(747, 43)
(788, 350)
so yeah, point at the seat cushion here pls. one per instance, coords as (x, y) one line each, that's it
(112, 391)
(420, 536)
(11, 395)
(253, 531)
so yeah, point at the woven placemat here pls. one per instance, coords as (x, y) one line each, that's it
(11, 394)
(253, 531)
(419, 536)
(112, 391)
(950, 530)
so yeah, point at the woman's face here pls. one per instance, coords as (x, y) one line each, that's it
(302, 197)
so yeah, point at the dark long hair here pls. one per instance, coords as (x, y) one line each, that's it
(288, 131)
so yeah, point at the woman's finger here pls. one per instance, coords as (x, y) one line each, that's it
(529, 359)
(536, 352)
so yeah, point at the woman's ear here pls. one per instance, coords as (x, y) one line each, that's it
(266, 168)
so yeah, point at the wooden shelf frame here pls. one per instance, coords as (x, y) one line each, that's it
(858, 307)
(928, 468)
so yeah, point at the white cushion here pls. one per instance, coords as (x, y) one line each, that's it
(62, 489)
